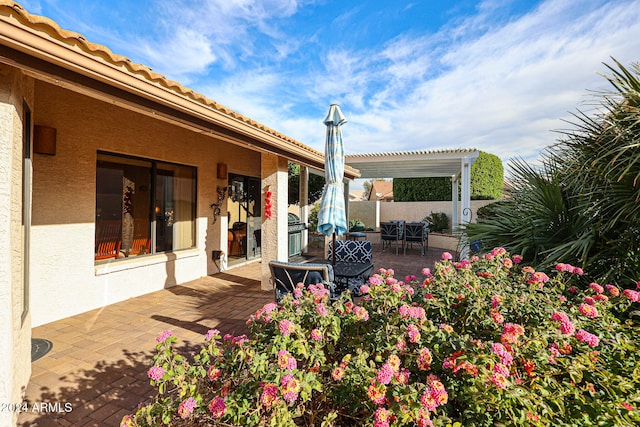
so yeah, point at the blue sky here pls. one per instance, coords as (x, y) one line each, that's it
(497, 75)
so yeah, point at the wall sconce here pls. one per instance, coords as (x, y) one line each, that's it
(44, 140)
(222, 171)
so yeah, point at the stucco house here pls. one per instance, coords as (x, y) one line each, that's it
(113, 183)
(381, 190)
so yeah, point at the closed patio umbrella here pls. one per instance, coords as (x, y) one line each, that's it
(332, 219)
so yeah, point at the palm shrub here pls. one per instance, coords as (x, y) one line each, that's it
(582, 205)
(481, 342)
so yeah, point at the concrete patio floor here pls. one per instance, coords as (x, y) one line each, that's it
(96, 370)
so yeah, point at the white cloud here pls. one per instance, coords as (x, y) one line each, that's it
(501, 86)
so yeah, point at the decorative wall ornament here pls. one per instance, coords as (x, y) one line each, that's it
(222, 191)
(267, 202)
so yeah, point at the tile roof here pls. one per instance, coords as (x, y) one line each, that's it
(52, 29)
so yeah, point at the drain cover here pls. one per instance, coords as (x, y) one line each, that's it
(39, 347)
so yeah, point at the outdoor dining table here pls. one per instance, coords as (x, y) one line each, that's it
(345, 270)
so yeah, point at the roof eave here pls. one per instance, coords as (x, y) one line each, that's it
(33, 36)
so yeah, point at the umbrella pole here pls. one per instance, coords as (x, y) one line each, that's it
(333, 252)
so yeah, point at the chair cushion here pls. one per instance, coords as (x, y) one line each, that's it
(351, 251)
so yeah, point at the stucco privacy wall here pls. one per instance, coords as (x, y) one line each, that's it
(66, 280)
(15, 334)
(408, 211)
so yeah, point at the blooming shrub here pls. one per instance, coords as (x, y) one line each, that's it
(481, 342)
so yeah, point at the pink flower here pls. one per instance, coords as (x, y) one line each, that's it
(287, 327)
(290, 388)
(434, 396)
(578, 271)
(163, 336)
(286, 360)
(410, 278)
(589, 300)
(427, 272)
(423, 419)
(155, 373)
(186, 407)
(496, 300)
(402, 376)
(381, 418)
(446, 256)
(588, 310)
(596, 288)
(385, 374)
(559, 317)
(413, 333)
(538, 277)
(377, 393)
(428, 401)
(213, 373)
(338, 373)
(424, 359)
(217, 407)
(588, 338)
(634, 296)
(500, 350)
(517, 259)
(375, 280)
(613, 291)
(269, 395)
(499, 368)
(497, 316)
(567, 328)
(316, 334)
(499, 380)
(511, 332)
(211, 333)
(321, 309)
(361, 313)
(446, 328)
(364, 289)
(127, 421)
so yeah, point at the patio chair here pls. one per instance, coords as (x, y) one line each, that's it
(417, 232)
(108, 239)
(354, 264)
(392, 232)
(285, 276)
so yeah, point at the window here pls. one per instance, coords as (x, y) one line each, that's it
(143, 206)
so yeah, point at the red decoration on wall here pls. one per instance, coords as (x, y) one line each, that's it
(267, 204)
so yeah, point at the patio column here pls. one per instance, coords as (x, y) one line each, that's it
(454, 200)
(466, 201)
(466, 190)
(274, 230)
(304, 205)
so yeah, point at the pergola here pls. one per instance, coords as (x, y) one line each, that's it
(421, 164)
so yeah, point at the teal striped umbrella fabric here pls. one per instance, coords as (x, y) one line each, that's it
(332, 218)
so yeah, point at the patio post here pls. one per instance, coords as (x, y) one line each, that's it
(274, 230)
(304, 205)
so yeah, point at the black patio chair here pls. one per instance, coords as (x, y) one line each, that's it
(285, 276)
(392, 232)
(353, 264)
(417, 232)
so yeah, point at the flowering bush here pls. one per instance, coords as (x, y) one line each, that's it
(480, 342)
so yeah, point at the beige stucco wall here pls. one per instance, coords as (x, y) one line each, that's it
(15, 333)
(66, 279)
(408, 211)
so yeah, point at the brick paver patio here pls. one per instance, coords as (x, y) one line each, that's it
(96, 371)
